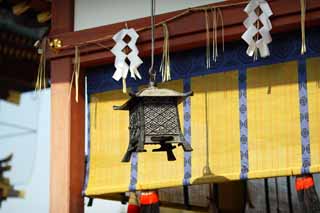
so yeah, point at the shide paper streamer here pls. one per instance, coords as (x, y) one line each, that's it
(122, 68)
(256, 36)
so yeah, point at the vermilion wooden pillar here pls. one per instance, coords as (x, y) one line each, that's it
(67, 123)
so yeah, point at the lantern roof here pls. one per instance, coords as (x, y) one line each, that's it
(152, 92)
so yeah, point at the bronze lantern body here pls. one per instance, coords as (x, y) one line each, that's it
(154, 119)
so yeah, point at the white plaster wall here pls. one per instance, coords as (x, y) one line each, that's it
(94, 13)
(31, 151)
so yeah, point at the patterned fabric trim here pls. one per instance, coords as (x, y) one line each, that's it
(304, 117)
(187, 133)
(243, 123)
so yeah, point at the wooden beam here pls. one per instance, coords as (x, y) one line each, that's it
(281, 24)
(185, 33)
(67, 124)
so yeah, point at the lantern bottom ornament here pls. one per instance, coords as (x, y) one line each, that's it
(154, 119)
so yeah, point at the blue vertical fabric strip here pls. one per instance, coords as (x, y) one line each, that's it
(243, 123)
(134, 164)
(187, 132)
(304, 117)
(87, 157)
(134, 172)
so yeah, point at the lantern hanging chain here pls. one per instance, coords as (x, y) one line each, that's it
(178, 16)
(152, 72)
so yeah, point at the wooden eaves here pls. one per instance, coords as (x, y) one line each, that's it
(186, 32)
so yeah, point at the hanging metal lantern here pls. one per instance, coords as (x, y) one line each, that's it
(154, 119)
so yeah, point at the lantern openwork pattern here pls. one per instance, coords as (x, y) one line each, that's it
(154, 119)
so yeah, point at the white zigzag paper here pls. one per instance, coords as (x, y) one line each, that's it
(248, 36)
(122, 68)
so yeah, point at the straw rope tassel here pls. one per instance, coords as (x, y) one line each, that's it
(303, 4)
(208, 39)
(41, 76)
(215, 35)
(75, 74)
(165, 63)
(124, 85)
(216, 17)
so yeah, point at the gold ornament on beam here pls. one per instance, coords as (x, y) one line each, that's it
(55, 44)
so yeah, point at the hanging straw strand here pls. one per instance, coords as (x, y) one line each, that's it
(75, 74)
(165, 63)
(216, 17)
(208, 39)
(214, 34)
(41, 76)
(303, 4)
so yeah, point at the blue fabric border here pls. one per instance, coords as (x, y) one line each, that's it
(187, 132)
(87, 169)
(304, 116)
(243, 117)
(191, 63)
